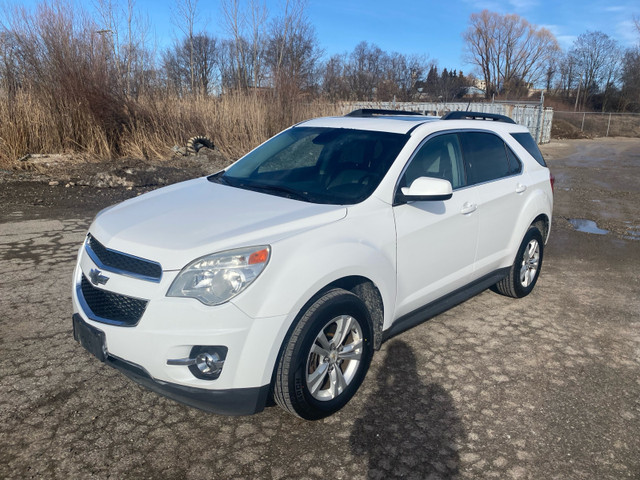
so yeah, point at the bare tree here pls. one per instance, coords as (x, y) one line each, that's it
(181, 63)
(364, 69)
(597, 59)
(293, 50)
(334, 84)
(125, 30)
(247, 45)
(508, 50)
(631, 80)
(185, 18)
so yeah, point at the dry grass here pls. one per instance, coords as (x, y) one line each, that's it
(590, 125)
(150, 127)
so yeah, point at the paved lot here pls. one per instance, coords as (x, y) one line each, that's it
(543, 387)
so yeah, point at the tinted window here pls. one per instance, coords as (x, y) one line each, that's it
(321, 165)
(526, 140)
(485, 157)
(515, 166)
(440, 157)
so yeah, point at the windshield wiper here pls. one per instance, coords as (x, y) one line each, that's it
(218, 178)
(258, 187)
(284, 191)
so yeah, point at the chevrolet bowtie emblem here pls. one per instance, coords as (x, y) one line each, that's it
(97, 278)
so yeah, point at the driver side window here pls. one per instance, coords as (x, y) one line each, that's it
(440, 157)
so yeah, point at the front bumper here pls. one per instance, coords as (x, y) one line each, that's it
(169, 328)
(234, 401)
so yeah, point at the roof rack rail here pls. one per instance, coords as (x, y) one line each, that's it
(477, 116)
(370, 112)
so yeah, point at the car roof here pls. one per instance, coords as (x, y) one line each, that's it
(387, 123)
(405, 124)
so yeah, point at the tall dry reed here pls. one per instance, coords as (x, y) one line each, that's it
(149, 127)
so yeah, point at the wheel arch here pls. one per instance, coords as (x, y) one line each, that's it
(368, 292)
(365, 289)
(543, 224)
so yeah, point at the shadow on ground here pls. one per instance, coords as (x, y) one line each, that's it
(419, 434)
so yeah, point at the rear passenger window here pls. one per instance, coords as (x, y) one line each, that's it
(485, 157)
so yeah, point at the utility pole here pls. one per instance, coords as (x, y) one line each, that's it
(577, 95)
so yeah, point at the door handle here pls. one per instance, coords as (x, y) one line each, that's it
(520, 188)
(468, 208)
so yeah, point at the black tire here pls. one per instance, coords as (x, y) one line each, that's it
(196, 143)
(525, 270)
(299, 362)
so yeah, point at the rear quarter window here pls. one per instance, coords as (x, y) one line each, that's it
(526, 140)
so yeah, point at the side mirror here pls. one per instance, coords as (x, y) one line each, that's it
(427, 188)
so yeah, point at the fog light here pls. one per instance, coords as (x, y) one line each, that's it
(204, 362)
(209, 363)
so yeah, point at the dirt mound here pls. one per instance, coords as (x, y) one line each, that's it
(561, 129)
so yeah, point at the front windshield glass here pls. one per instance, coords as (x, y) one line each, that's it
(320, 165)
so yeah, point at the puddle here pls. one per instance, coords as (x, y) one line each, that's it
(587, 226)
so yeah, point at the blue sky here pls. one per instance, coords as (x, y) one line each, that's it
(430, 27)
(433, 27)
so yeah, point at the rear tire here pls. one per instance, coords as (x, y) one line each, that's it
(525, 270)
(325, 358)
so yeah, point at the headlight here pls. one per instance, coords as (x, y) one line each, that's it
(217, 278)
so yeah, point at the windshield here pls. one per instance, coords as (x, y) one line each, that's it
(320, 165)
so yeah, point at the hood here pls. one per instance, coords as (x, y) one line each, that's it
(177, 224)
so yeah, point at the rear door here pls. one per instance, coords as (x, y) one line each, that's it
(495, 174)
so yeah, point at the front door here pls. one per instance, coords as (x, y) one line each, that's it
(436, 240)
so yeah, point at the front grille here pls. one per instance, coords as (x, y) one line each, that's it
(109, 307)
(121, 262)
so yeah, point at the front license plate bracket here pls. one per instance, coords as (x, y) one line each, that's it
(92, 339)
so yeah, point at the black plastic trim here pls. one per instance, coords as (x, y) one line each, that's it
(477, 116)
(122, 322)
(436, 307)
(234, 401)
(402, 198)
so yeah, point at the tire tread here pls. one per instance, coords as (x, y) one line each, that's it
(507, 286)
(281, 391)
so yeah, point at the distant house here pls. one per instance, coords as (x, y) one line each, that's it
(472, 92)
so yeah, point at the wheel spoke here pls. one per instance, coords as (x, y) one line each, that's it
(351, 351)
(323, 341)
(343, 327)
(317, 378)
(318, 350)
(338, 384)
(523, 273)
(533, 246)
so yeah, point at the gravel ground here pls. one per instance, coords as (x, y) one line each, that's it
(544, 387)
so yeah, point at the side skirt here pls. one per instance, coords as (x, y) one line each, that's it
(443, 304)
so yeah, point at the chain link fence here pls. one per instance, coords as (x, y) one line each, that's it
(589, 125)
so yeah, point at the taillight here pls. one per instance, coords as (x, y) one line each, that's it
(552, 179)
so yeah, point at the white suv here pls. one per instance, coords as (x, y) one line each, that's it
(280, 276)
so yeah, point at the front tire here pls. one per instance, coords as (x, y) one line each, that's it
(525, 270)
(326, 357)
